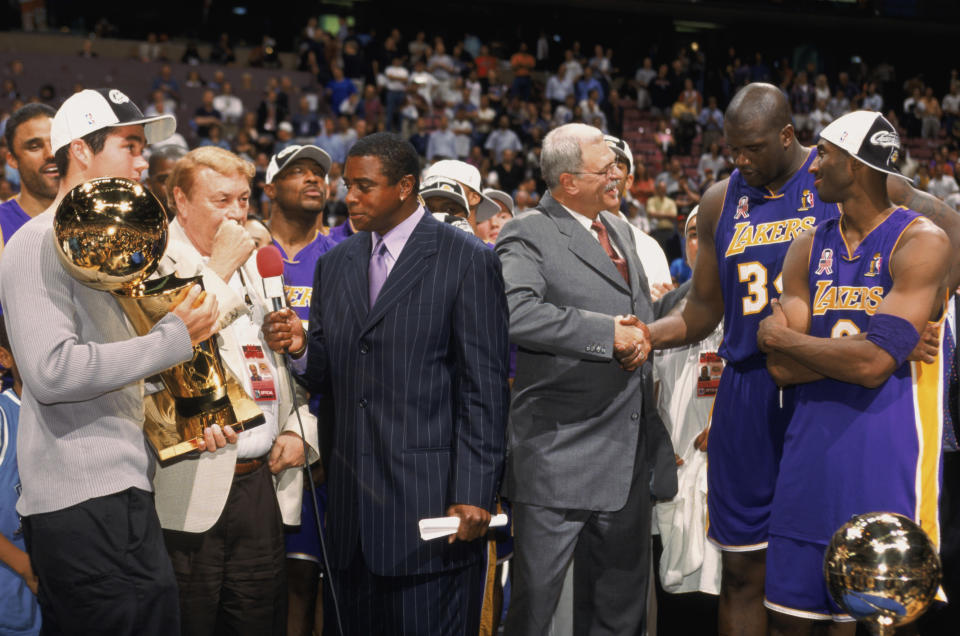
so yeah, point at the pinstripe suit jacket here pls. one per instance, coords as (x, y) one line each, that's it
(577, 421)
(419, 385)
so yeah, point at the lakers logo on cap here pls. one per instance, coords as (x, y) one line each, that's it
(806, 201)
(117, 97)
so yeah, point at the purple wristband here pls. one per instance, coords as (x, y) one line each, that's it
(893, 334)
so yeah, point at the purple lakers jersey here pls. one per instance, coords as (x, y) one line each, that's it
(12, 217)
(298, 274)
(850, 449)
(753, 233)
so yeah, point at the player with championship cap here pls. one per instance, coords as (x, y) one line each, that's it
(865, 435)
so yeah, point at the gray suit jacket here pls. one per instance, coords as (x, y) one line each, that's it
(577, 421)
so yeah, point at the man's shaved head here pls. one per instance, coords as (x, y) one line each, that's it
(759, 103)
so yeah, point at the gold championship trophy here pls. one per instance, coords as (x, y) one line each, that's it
(883, 569)
(110, 235)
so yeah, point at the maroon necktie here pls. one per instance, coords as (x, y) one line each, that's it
(619, 261)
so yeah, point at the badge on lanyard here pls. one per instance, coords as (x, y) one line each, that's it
(261, 379)
(711, 367)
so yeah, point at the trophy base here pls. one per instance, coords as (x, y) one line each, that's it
(173, 436)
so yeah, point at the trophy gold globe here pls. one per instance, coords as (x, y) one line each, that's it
(883, 569)
(110, 235)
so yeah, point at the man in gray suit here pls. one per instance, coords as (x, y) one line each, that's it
(583, 437)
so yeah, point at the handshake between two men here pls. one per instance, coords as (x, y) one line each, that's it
(631, 342)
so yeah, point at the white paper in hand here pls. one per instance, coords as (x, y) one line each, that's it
(445, 526)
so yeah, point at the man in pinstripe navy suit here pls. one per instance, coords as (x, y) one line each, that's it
(408, 335)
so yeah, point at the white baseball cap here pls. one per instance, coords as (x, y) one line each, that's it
(93, 109)
(469, 176)
(283, 158)
(868, 137)
(502, 197)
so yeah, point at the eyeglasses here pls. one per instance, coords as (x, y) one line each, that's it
(611, 170)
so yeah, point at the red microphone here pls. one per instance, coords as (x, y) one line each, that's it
(270, 267)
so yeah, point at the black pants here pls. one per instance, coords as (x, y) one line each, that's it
(439, 604)
(103, 568)
(232, 577)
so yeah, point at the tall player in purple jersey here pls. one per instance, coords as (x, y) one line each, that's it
(746, 225)
(866, 430)
(296, 183)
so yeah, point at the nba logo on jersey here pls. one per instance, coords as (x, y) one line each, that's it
(806, 201)
(826, 262)
(743, 205)
(874, 265)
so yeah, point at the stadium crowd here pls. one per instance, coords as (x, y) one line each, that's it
(490, 105)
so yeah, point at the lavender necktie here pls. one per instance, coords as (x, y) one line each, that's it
(378, 270)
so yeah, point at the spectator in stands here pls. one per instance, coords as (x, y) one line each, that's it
(662, 91)
(462, 128)
(86, 50)
(269, 114)
(819, 118)
(167, 83)
(641, 82)
(950, 104)
(801, 101)
(643, 186)
(711, 123)
(161, 104)
(921, 180)
(522, 65)
(206, 115)
(305, 122)
(942, 184)
(586, 85)
(214, 137)
(228, 105)
(872, 100)
(558, 86)
(821, 89)
(443, 142)
(590, 110)
(222, 51)
(149, 51)
(712, 160)
(418, 47)
(930, 114)
(419, 138)
(338, 89)
(509, 171)
(662, 211)
(913, 112)
(503, 138)
(397, 77)
(839, 104)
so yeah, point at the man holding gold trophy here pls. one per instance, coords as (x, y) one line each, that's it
(89, 517)
(222, 513)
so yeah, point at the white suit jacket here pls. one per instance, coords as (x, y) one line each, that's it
(191, 494)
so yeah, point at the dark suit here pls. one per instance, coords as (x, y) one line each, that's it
(584, 438)
(419, 385)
